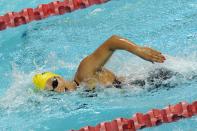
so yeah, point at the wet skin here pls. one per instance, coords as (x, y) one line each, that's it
(91, 72)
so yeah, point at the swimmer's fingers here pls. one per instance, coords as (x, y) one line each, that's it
(159, 59)
(155, 51)
(153, 60)
(157, 56)
(151, 55)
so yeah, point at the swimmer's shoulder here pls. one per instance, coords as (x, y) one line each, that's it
(103, 77)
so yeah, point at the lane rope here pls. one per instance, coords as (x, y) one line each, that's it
(14, 19)
(154, 117)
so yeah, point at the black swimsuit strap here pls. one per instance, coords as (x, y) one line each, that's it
(76, 82)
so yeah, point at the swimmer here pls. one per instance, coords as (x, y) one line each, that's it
(91, 70)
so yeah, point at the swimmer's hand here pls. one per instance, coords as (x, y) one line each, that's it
(149, 54)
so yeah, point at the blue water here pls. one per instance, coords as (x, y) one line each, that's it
(59, 43)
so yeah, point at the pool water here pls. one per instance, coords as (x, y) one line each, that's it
(59, 43)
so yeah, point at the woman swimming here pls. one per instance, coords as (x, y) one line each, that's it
(91, 70)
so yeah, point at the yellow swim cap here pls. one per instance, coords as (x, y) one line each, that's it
(40, 80)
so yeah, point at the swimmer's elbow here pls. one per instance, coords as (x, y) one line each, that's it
(111, 42)
(114, 37)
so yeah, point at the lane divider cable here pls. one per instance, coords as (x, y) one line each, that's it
(14, 19)
(154, 117)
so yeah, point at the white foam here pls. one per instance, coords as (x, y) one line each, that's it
(96, 11)
(17, 93)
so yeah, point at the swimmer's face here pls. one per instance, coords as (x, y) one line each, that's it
(58, 84)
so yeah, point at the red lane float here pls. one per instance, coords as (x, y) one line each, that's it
(152, 118)
(14, 19)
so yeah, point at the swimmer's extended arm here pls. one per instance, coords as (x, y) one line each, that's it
(146, 53)
(94, 62)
